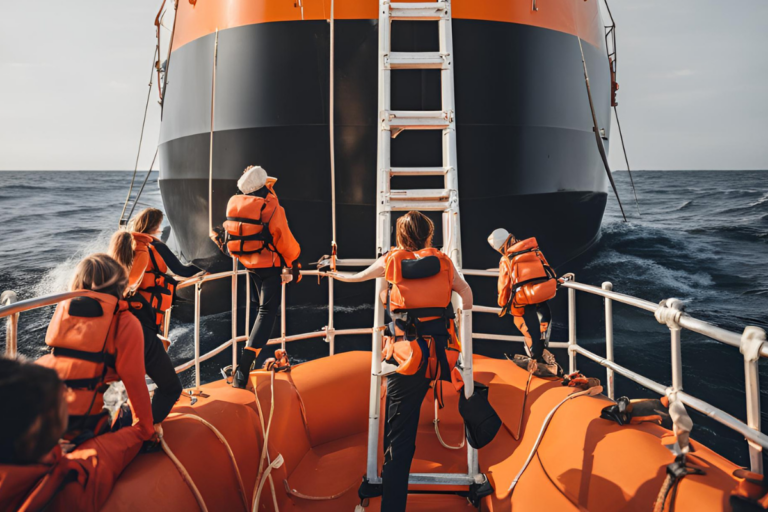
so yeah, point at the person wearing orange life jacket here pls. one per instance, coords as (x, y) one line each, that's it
(256, 232)
(422, 280)
(132, 250)
(526, 283)
(96, 341)
(35, 473)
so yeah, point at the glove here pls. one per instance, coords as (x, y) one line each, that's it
(296, 272)
(217, 236)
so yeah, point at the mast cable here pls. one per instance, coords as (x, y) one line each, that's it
(626, 159)
(596, 129)
(168, 58)
(141, 138)
(210, 149)
(143, 184)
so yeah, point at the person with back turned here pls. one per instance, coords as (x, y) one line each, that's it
(150, 293)
(256, 232)
(35, 473)
(526, 283)
(94, 341)
(421, 340)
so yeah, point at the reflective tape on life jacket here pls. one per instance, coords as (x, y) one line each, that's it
(423, 330)
(82, 337)
(532, 280)
(248, 235)
(157, 287)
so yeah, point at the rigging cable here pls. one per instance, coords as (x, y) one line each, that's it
(612, 33)
(143, 185)
(141, 138)
(168, 59)
(596, 129)
(210, 149)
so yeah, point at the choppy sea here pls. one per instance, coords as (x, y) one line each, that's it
(700, 236)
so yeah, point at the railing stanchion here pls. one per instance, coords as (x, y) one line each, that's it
(282, 318)
(198, 289)
(374, 408)
(609, 339)
(167, 322)
(752, 340)
(669, 313)
(467, 350)
(571, 330)
(330, 336)
(234, 314)
(11, 325)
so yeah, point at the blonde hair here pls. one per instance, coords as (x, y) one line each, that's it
(414, 231)
(147, 221)
(100, 273)
(121, 248)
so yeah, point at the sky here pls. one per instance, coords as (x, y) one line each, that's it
(693, 78)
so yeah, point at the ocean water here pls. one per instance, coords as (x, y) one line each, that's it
(701, 237)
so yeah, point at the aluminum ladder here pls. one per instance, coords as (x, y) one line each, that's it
(445, 200)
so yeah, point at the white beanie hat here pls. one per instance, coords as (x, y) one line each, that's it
(497, 238)
(252, 179)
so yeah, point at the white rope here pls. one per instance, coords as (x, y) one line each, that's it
(210, 149)
(591, 392)
(262, 478)
(440, 438)
(223, 441)
(184, 475)
(331, 128)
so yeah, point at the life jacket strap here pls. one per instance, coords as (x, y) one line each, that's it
(88, 384)
(93, 357)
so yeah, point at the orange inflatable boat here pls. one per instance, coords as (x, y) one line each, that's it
(316, 422)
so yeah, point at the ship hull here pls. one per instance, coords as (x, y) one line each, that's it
(527, 158)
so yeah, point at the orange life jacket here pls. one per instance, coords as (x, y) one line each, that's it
(250, 225)
(525, 277)
(82, 336)
(156, 287)
(422, 330)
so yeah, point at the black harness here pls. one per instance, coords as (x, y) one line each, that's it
(547, 269)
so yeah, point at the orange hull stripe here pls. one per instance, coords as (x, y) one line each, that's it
(569, 16)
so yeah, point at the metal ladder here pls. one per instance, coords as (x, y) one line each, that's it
(445, 200)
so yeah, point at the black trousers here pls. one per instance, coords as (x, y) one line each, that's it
(158, 365)
(405, 394)
(537, 318)
(269, 291)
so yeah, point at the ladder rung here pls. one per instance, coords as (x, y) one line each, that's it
(428, 194)
(416, 60)
(416, 120)
(420, 206)
(417, 171)
(424, 11)
(441, 479)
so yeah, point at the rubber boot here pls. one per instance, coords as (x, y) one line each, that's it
(239, 379)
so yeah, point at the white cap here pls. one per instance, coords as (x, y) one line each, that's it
(252, 179)
(497, 238)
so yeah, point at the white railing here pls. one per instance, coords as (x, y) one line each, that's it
(670, 312)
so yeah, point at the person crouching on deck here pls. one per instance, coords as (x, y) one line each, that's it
(526, 283)
(421, 283)
(94, 341)
(256, 232)
(35, 473)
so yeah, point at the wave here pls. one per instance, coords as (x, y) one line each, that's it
(56, 280)
(683, 206)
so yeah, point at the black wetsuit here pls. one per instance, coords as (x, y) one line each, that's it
(534, 316)
(269, 291)
(157, 362)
